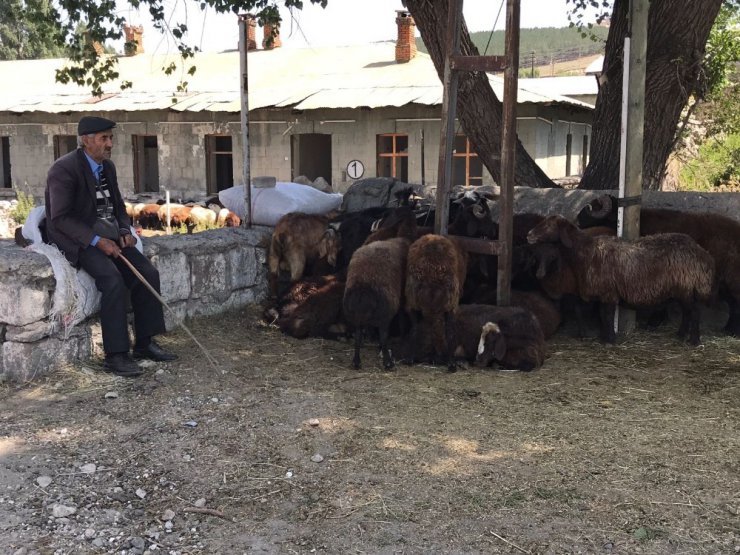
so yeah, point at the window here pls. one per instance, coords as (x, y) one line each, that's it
(219, 163)
(467, 168)
(64, 144)
(393, 156)
(5, 162)
(146, 163)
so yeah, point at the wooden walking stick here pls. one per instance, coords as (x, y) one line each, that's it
(157, 296)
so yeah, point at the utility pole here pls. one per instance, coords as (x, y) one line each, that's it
(532, 63)
(633, 126)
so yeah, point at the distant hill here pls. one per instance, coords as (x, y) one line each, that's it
(544, 46)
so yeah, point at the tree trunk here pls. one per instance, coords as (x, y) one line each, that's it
(478, 109)
(677, 35)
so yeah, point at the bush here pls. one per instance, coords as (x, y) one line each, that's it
(25, 204)
(717, 165)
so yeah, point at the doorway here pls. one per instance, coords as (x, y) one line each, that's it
(311, 156)
(146, 163)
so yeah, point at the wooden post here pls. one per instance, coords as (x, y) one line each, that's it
(449, 105)
(508, 153)
(243, 48)
(633, 123)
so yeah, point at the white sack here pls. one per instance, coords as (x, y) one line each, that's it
(271, 204)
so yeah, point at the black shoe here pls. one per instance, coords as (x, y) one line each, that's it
(121, 364)
(153, 352)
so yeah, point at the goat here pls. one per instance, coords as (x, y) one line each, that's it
(435, 276)
(312, 307)
(642, 273)
(717, 234)
(375, 284)
(297, 240)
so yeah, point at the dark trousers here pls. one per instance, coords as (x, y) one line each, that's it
(112, 278)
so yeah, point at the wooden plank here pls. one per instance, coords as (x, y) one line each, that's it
(508, 153)
(478, 63)
(449, 105)
(478, 246)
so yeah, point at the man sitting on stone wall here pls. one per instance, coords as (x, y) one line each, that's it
(86, 219)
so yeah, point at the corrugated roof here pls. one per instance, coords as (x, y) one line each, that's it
(304, 78)
(564, 86)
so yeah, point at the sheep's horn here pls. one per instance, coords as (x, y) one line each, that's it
(478, 211)
(605, 203)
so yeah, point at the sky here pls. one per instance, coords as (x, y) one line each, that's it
(342, 22)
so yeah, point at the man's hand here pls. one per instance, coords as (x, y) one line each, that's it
(110, 248)
(127, 240)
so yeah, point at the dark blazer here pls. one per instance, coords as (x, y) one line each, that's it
(71, 205)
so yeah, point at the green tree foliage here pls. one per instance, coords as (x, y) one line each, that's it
(26, 203)
(28, 30)
(723, 50)
(103, 23)
(716, 163)
(716, 166)
(547, 44)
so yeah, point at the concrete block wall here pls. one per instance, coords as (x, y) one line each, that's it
(201, 274)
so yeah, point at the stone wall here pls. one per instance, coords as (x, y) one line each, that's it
(201, 274)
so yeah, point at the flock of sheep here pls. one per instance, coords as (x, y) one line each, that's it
(383, 271)
(207, 215)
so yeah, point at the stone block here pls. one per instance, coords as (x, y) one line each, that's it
(174, 275)
(29, 333)
(26, 361)
(241, 267)
(23, 302)
(208, 274)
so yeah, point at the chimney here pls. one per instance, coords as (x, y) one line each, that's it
(406, 43)
(268, 44)
(134, 39)
(93, 44)
(251, 30)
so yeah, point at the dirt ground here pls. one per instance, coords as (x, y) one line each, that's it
(284, 448)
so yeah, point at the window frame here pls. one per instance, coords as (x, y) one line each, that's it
(394, 155)
(467, 155)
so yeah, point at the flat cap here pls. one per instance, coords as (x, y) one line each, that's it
(93, 124)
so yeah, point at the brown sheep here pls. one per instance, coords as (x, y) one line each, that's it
(147, 215)
(297, 240)
(227, 218)
(484, 333)
(374, 292)
(312, 307)
(717, 234)
(179, 214)
(436, 272)
(509, 334)
(544, 309)
(642, 273)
